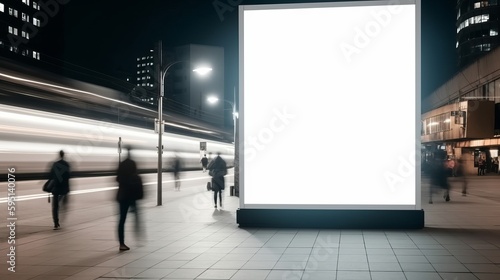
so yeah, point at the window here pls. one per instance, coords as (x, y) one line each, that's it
(36, 22)
(15, 13)
(2, 8)
(10, 29)
(36, 6)
(11, 11)
(15, 31)
(494, 32)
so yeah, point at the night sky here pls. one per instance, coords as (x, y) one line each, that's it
(107, 36)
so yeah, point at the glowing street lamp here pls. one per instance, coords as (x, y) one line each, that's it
(163, 70)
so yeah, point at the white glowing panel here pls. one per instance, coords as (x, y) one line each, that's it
(328, 108)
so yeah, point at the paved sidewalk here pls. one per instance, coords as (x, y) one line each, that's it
(189, 239)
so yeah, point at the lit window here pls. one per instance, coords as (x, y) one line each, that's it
(34, 54)
(2, 8)
(15, 31)
(36, 22)
(11, 11)
(138, 65)
(494, 32)
(23, 16)
(15, 13)
(36, 6)
(10, 29)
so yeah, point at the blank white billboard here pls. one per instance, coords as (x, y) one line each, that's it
(329, 105)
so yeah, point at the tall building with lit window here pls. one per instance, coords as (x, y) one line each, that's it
(478, 24)
(19, 21)
(145, 69)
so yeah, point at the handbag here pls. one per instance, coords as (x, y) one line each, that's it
(49, 186)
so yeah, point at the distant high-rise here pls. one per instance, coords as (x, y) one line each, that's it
(19, 22)
(478, 24)
(145, 70)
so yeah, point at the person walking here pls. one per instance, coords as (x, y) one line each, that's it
(59, 174)
(439, 179)
(176, 167)
(130, 189)
(217, 169)
(461, 173)
(481, 164)
(204, 162)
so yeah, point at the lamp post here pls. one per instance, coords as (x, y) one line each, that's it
(162, 73)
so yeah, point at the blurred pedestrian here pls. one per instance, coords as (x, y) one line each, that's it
(130, 189)
(59, 174)
(204, 162)
(481, 166)
(217, 169)
(439, 179)
(176, 169)
(462, 175)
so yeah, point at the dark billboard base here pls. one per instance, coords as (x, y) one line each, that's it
(330, 219)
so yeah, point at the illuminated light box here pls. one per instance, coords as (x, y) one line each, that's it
(330, 115)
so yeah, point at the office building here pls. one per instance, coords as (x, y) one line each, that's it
(478, 24)
(19, 22)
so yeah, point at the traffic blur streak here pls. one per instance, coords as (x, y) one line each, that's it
(30, 141)
(28, 87)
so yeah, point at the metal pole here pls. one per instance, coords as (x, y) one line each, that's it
(160, 124)
(236, 147)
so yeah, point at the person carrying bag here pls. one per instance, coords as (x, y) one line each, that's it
(217, 168)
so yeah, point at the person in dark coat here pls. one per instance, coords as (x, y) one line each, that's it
(217, 169)
(204, 162)
(439, 180)
(130, 189)
(60, 174)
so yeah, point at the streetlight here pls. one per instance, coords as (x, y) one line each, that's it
(162, 72)
(212, 99)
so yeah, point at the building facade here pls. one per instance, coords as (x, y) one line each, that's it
(462, 117)
(478, 25)
(20, 20)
